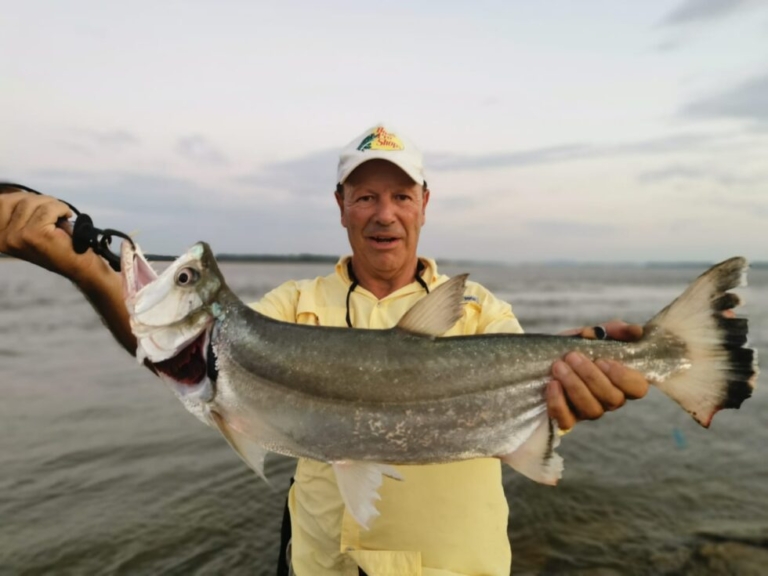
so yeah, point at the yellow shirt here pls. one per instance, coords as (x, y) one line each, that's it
(444, 519)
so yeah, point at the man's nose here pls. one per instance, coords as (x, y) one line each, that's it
(385, 211)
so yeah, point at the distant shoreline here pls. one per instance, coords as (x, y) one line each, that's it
(327, 259)
(245, 258)
(259, 258)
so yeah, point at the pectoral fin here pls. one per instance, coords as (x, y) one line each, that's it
(251, 453)
(359, 483)
(437, 312)
(536, 458)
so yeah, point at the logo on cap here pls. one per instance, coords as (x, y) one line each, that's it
(380, 139)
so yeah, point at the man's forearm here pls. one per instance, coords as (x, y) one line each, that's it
(105, 293)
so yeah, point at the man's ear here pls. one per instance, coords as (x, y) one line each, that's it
(425, 201)
(340, 202)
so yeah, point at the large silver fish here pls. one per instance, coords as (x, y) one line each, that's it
(363, 400)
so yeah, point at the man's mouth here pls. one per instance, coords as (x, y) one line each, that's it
(383, 240)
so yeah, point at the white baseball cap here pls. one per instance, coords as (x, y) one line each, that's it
(384, 143)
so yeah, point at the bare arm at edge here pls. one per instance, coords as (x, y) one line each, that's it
(28, 231)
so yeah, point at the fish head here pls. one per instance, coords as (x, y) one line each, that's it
(172, 315)
(187, 287)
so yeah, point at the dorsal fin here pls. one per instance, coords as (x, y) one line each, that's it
(437, 312)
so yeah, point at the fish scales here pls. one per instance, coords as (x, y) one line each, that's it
(426, 399)
(379, 366)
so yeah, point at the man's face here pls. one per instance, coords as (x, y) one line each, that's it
(383, 211)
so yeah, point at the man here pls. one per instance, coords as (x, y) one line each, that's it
(444, 520)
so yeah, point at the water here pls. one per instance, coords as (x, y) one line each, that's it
(102, 471)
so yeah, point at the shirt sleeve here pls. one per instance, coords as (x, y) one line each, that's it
(280, 303)
(496, 316)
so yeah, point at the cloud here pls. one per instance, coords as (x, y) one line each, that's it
(314, 175)
(703, 10)
(747, 207)
(90, 142)
(172, 213)
(310, 176)
(668, 45)
(567, 228)
(461, 203)
(754, 207)
(451, 162)
(113, 138)
(563, 153)
(199, 149)
(706, 173)
(749, 101)
(123, 191)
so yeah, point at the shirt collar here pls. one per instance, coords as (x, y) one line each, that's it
(429, 274)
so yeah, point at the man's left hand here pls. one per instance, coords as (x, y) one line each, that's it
(584, 390)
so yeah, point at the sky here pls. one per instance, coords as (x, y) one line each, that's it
(557, 130)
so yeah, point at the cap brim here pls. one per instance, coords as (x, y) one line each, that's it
(412, 172)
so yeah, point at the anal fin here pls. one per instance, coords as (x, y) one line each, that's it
(536, 458)
(251, 453)
(359, 483)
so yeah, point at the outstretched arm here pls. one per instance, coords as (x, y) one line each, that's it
(28, 231)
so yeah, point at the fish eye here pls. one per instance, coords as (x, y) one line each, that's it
(187, 276)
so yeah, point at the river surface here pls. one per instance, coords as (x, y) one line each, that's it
(102, 471)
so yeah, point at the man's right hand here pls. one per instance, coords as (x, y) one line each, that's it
(28, 231)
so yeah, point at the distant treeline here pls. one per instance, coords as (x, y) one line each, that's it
(672, 265)
(254, 258)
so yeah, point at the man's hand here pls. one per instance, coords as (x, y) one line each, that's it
(585, 390)
(28, 231)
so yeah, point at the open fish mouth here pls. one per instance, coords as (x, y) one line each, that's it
(190, 365)
(177, 349)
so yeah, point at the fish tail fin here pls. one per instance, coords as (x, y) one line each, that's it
(722, 369)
